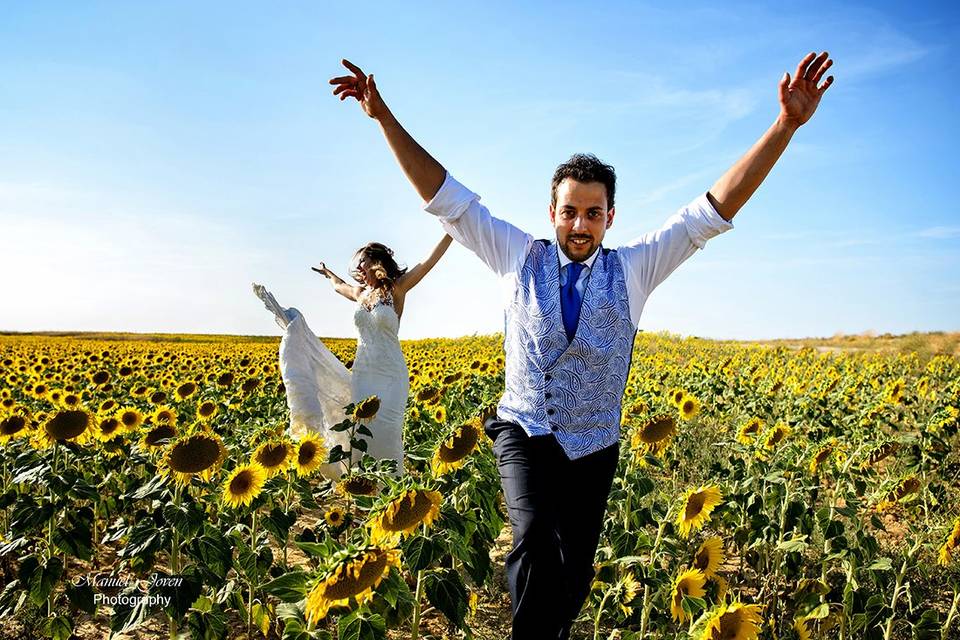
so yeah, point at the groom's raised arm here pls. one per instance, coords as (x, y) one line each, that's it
(498, 243)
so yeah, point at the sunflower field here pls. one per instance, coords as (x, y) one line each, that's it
(150, 488)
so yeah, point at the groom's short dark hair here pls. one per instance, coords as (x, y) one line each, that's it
(585, 167)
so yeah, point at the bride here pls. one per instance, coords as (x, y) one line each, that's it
(318, 385)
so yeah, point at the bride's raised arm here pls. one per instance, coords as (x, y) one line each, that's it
(410, 279)
(351, 292)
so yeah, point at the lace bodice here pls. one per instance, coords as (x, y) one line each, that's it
(378, 343)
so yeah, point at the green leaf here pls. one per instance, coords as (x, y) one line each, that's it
(357, 626)
(290, 587)
(44, 580)
(82, 597)
(58, 628)
(278, 523)
(418, 553)
(881, 564)
(445, 591)
(797, 544)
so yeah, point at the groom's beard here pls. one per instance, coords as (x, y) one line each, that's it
(576, 252)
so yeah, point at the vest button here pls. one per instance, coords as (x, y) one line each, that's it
(550, 412)
(554, 428)
(548, 395)
(548, 377)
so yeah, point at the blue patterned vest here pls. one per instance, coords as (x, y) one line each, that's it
(571, 390)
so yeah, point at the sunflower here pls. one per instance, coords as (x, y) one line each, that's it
(821, 456)
(163, 415)
(156, 436)
(654, 435)
(13, 426)
(310, 454)
(357, 485)
(249, 385)
(199, 454)
(735, 621)
(440, 414)
(206, 410)
(689, 407)
(402, 515)
(776, 435)
(107, 428)
(677, 396)
(107, 405)
(335, 516)
(158, 397)
(950, 546)
(800, 626)
(100, 378)
(697, 506)
(881, 452)
(904, 488)
(688, 583)
(243, 485)
(366, 409)
(453, 451)
(353, 578)
(718, 587)
(749, 431)
(130, 417)
(628, 588)
(68, 424)
(709, 556)
(428, 395)
(186, 390)
(273, 457)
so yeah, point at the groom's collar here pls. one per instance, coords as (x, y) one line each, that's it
(564, 260)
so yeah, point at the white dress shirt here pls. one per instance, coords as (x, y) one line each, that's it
(646, 260)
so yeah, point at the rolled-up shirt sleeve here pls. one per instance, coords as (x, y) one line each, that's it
(499, 244)
(649, 259)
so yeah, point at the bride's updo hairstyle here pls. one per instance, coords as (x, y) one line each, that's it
(380, 260)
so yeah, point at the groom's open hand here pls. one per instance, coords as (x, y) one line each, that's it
(363, 88)
(800, 96)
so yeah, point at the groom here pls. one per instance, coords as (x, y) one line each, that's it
(572, 312)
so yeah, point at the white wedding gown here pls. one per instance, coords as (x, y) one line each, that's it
(319, 386)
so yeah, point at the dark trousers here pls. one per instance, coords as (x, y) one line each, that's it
(556, 508)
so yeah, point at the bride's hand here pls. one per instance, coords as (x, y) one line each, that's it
(322, 270)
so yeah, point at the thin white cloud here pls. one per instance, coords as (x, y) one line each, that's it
(939, 233)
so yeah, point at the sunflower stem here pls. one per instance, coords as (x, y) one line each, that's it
(888, 630)
(286, 509)
(174, 556)
(596, 619)
(53, 518)
(250, 585)
(415, 626)
(944, 633)
(647, 605)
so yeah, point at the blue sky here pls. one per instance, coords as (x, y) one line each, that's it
(157, 158)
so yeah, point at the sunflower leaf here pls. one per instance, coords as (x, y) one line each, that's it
(359, 627)
(445, 590)
(290, 587)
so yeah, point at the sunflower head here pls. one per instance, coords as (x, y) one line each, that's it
(357, 484)
(776, 436)
(130, 418)
(206, 410)
(335, 517)
(654, 435)
(243, 485)
(68, 425)
(689, 407)
(689, 583)
(903, 489)
(198, 454)
(735, 621)
(352, 578)
(310, 454)
(14, 425)
(107, 428)
(697, 506)
(453, 451)
(273, 457)
(158, 435)
(186, 390)
(949, 548)
(403, 515)
(366, 409)
(709, 556)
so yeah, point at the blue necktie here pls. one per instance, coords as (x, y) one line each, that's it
(570, 299)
